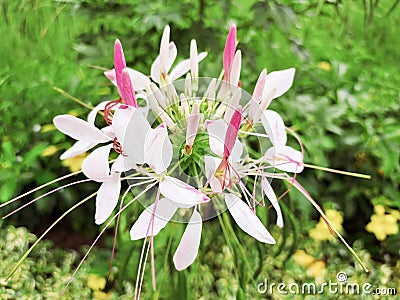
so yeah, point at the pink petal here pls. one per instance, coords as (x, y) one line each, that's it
(232, 132)
(95, 165)
(247, 219)
(79, 129)
(274, 127)
(184, 66)
(143, 226)
(110, 74)
(229, 51)
(269, 192)
(128, 94)
(131, 128)
(158, 149)
(181, 193)
(285, 158)
(119, 65)
(107, 199)
(78, 148)
(189, 246)
(279, 82)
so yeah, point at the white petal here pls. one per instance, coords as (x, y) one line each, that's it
(247, 219)
(274, 127)
(158, 149)
(155, 71)
(235, 69)
(78, 148)
(95, 165)
(139, 80)
(108, 131)
(181, 193)
(164, 49)
(285, 158)
(184, 66)
(211, 164)
(165, 209)
(232, 105)
(131, 129)
(269, 192)
(189, 246)
(216, 133)
(107, 199)
(79, 129)
(93, 113)
(279, 82)
(121, 164)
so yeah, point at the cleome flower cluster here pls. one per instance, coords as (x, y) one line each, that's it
(189, 147)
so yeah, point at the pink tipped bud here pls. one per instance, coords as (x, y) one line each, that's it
(128, 94)
(232, 132)
(229, 51)
(119, 64)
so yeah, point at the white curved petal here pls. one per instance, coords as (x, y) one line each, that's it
(79, 129)
(139, 80)
(269, 192)
(93, 113)
(274, 127)
(158, 149)
(164, 51)
(108, 131)
(247, 219)
(234, 74)
(155, 71)
(107, 199)
(279, 82)
(181, 193)
(285, 158)
(184, 66)
(131, 128)
(211, 164)
(78, 148)
(216, 133)
(95, 165)
(143, 227)
(189, 246)
(121, 164)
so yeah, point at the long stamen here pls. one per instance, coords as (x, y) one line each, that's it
(21, 260)
(332, 227)
(40, 187)
(44, 195)
(101, 233)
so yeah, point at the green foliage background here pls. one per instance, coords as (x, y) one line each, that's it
(347, 115)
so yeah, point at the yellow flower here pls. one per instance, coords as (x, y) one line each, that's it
(50, 150)
(324, 65)
(74, 163)
(314, 267)
(321, 231)
(382, 224)
(97, 284)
